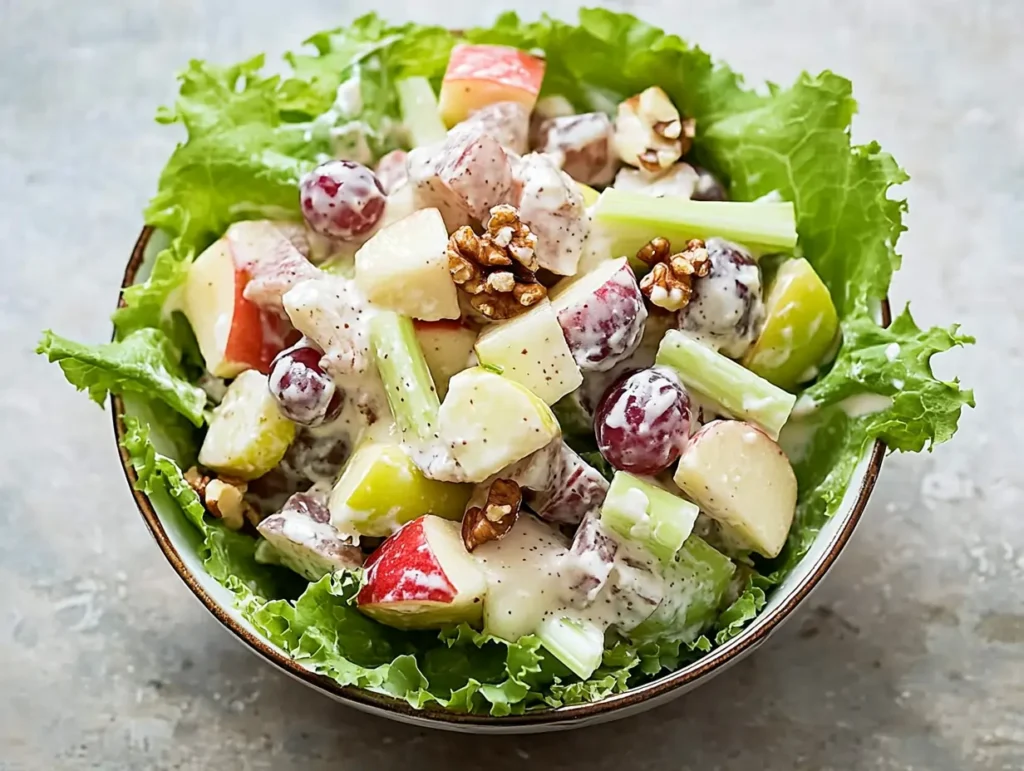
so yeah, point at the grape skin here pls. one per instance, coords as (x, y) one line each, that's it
(643, 421)
(305, 394)
(342, 199)
(726, 309)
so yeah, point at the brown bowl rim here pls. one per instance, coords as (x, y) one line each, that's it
(561, 716)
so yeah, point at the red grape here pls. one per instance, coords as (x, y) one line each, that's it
(643, 421)
(726, 309)
(305, 393)
(342, 199)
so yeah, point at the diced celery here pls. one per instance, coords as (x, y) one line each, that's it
(695, 583)
(739, 392)
(577, 643)
(630, 220)
(403, 369)
(652, 517)
(419, 111)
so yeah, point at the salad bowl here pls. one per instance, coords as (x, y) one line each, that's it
(176, 541)
(418, 399)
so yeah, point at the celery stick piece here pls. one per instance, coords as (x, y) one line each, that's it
(403, 369)
(695, 583)
(419, 111)
(739, 392)
(577, 643)
(652, 517)
(630, 220)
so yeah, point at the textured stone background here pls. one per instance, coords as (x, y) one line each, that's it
(910, 656)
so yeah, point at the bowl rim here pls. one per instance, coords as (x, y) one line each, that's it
(657, 689)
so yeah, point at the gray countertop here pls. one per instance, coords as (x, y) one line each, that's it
(910, 656)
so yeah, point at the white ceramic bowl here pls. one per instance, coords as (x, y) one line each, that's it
(176, 538)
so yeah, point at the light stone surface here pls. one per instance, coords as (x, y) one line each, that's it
(911, 655)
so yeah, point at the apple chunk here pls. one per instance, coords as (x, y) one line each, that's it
(248, 435)
(799, 329)
(404, 268)
(531, 350)
(447, 346)
(234, 334)
(521, 589)
(305, 542)
(479, 75)
(381, 489)
(490, 422)
(422, 577)
(602, 315)
(742, 479)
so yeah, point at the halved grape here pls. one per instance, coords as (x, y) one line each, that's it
(643, 421)
(342, 199)
(305, 393)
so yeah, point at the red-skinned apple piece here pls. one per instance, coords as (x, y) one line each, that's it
(479, 75)
(234, 334)
(602, 315)
(422, 577)
(577, 488)
(263, 250)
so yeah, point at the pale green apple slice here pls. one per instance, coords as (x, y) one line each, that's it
(489, 422)
(799, 329)
(381, 489)
(248, 435)
(742, 479)
(531, 350)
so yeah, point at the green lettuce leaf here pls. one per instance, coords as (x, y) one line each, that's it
(143, 304)
(740, 612)
(895, 362)
(145, 362)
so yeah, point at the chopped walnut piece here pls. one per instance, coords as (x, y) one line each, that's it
(669, 284)
(498, 269)
(224, 498)
(496, 517)
(649, 132)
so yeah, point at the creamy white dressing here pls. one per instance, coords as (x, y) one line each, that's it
(865, 404)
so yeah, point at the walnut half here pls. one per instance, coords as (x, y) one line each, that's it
(496, 517)
(498, 270)
(669, 284)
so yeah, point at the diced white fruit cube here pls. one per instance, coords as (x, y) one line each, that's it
(531, 350)
(741, 478)
(404, 268)
(521, 590)
(490, 422)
